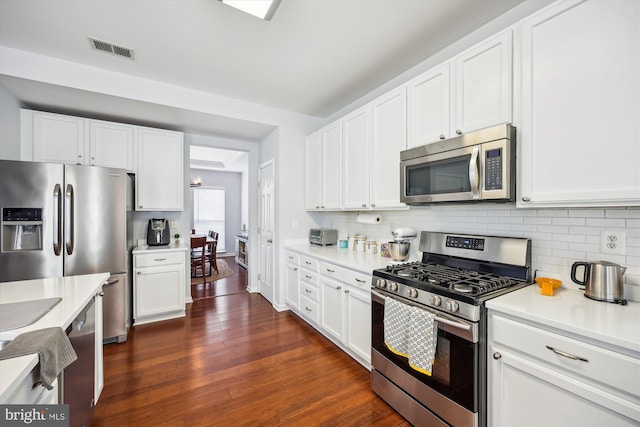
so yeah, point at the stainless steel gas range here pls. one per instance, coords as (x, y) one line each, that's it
(457, 274)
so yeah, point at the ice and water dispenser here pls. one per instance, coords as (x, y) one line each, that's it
(21, 229)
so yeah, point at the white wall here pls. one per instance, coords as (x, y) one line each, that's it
(9, 125)
(559, 236)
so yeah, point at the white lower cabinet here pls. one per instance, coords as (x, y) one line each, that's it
(98, 382)
(540, 376)
(158, 285)
(291, 280)
(31, 391)
(332, 309)
(334, 300)
(346, 309)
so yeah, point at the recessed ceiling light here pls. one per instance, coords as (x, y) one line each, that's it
(263, 9)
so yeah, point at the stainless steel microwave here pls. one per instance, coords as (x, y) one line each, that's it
(474, 167)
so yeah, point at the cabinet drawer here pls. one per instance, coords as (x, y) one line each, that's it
(292, 257)
(309, 276)
(309, 309)
(345, 275)
(309, 291)
(29, 390)
(164, 258)
(616, 370)
(309, 263)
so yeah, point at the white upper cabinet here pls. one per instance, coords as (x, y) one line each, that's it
(323, 168)
(356, 128)
(388, 138)
(471, 91)
(332, 166)
(111, 145)
(429, 107)
(160, 175)
(580, 105)
(56, 138)
(313, 170)
(483, 85)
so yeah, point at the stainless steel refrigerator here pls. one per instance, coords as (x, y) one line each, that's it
(64, 220)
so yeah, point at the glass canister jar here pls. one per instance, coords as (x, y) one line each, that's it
(371, 247)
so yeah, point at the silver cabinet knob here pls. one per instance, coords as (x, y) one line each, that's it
(497, 355)
(526, 199)
(459, 132)
(441, 136)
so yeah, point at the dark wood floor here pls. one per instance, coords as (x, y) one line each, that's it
(235, 361)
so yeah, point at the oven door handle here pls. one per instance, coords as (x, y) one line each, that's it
(439, 319)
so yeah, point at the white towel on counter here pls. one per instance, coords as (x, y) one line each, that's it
(412, 333)
(422, 340)
(396, 319)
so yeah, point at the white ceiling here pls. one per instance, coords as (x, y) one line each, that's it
(314, 57)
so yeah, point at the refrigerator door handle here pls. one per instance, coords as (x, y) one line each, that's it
(57, 220)
(69, 219)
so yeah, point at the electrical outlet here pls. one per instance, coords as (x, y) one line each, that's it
(173, 224)
(294, 224)
(613, 242)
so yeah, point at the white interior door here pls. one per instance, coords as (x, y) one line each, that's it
(266, 230)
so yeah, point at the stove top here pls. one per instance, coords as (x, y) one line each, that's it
(457, 280)
(459, 283)
(457, 273)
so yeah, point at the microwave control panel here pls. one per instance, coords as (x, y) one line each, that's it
(493, 169)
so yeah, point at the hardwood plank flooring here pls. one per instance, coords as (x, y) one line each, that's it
(234, 360)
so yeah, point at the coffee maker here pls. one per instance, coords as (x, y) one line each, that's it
(158, 232)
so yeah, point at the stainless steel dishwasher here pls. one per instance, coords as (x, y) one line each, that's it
(77, 379)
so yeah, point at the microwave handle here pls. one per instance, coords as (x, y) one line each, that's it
(474, 174)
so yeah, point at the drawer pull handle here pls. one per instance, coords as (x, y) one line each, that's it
(307, 262)
(307, 291)
(290, 257)
(567, 355)
(339, 287)
(295, 268)
(360, 281)
(330, 270)
(307, 308)
(308, 277)
(159, 259)
(36, 384)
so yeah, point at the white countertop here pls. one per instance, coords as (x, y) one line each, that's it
(571, 311)
(156, 249)
(348, 258)
(75, 291)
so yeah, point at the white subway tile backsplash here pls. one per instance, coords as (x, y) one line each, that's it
(609, 223)
(559, 236)
(587, 213)
(569, 221)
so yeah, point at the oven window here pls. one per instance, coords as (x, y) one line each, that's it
(441, 177)
(455, 369)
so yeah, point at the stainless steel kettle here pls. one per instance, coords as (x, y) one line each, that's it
(602, 280)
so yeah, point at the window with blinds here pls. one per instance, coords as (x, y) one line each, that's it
(208, 212)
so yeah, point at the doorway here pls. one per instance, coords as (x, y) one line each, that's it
(266, 224)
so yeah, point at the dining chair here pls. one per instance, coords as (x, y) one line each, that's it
(212, 249)
(199, 256)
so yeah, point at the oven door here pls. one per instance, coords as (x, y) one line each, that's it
(452, 391)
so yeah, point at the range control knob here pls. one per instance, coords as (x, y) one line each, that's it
(413, 293)
(452, 306)
(435, 300)
(381, 283)
(393, 286)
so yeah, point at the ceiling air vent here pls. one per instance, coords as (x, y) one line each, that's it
(111, 48)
